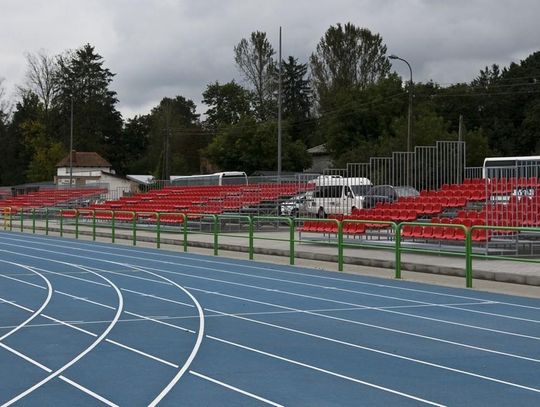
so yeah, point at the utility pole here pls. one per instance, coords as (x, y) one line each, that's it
(279, 115)
(71, 146)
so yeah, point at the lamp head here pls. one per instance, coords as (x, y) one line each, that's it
(393, 56)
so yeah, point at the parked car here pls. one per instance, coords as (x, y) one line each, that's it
(294, 206)
(387, 193)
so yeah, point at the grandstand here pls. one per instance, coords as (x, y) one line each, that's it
(52, 198)
(203, 199)
(493, 202)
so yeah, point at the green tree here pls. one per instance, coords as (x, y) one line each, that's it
(83, 80)
(45, 153)
(297, 100)
(347, 57)
(16, 153)
(228, 103)
(176, 138)
(357, 118)
(254, 58)
(250, 146)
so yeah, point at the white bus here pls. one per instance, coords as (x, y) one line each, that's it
(218, 178)
(511, 167)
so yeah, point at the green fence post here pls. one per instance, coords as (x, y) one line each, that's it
(468, 258)
(76, 223)
(292, 225)
(398, 250)
(47, 221)
(34, 220)
(134, 226)
(184, 226)
(94, 225)
(61, 223)
(10, 219)
(340, 245)
(113, 226)
(22, 219)
(216, 231)
(250, 231)
(158, 230)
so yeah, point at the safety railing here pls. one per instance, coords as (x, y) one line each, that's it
(337, 234)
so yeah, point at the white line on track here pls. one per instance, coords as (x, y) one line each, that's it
(61, 377)
(39, 310)
(378, 351)
(392, 287)
(59, 371)
(239, 264)
(318, 369)
(40, 241)
(236, 389)
(180, 372)
(378, 327)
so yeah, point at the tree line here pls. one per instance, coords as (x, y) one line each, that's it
(345, 96)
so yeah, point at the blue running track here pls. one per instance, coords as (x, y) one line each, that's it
(84, 324)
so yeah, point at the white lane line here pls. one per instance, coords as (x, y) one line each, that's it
(350, 321)
(39, 310)
(28, 359)
(64, 378)
(70, 275)
(58, 322)
(240, 264)
(153, 296)
(381, 352)
(161, 321)
(254, 276)
(59, 371)
(318, 369)
(200, 334)
(236, 389)
(23, 281)
(75, 297)
(165, 362)
(88, 391)
(378, 327)
(196, 347)
(108, 321)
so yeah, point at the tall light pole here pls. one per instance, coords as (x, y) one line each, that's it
(71, 146)
(279, 114)
(409, 119)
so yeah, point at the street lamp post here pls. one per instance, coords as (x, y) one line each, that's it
(409, 118)
(71, 146)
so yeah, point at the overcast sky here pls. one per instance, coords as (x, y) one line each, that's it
(161, 48)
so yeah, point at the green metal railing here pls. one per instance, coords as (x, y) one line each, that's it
(335, 230)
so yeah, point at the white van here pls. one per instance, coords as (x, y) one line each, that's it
(337, 195)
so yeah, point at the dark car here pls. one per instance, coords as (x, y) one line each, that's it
(387, 193)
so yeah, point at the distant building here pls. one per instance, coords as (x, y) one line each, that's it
(321, 159)
(91, 169)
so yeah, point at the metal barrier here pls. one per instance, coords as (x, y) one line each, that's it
(330, 227)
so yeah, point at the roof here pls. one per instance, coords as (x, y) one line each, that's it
(141, 179)
(320, 149)
(84, 159)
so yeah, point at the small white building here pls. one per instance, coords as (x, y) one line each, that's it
(91, 169)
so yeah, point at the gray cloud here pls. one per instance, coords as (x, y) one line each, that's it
(162, 48)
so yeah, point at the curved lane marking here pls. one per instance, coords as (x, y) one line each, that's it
(40, 309)
(198, 342)
(58, 372)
